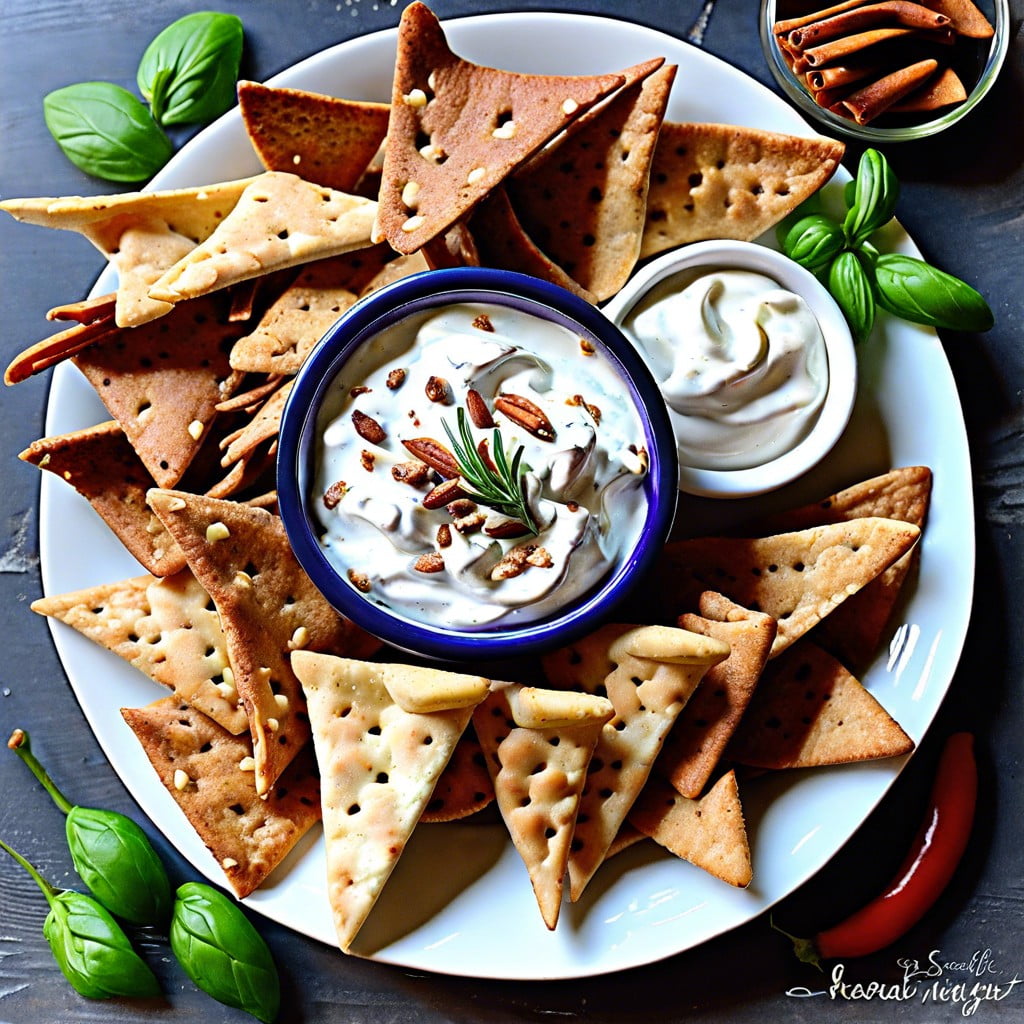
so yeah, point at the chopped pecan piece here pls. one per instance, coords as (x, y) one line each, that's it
(444, 536)
(516, 561)
(368, 460)
(437, 389)
(526, 414)
(434, 454)
(396, 378)
(432, 562)
(367, 427)
(414, 473)
(359, 580)
(478, 411)
(443, 494)
(483, 323)
(335, 493)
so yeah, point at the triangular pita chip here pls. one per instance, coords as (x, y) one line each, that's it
(208, 772)
(724, 181)
(162, 382)
(378, 767)
(105, 469)
(709, 832)
(457, 129)
(538, 776)
(166, 628)
(699, 737)
(279, 221)
(809, 711)
(465, 785)
(647, 696)
(798, 578)
(327, 140)
(263, 427)
(583, 200)
(268, 607)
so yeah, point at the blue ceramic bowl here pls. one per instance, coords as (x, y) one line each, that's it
(299, 444)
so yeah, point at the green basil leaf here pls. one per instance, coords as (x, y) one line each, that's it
(813, 241)
(189, 72)
(850, 286)
(222, 952)
(92, 951)
(105, 130)
(115, 859)
(914, 290)
(876, 192)
(812, 204)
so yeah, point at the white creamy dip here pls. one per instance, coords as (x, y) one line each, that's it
(741, 363)
(439, 565)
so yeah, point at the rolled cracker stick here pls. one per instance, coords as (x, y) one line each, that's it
(889, 12)
(967, 19)
(782, 28)
(873, 100)
(839, 49)
(943, 90)
(840, 75)
(58, 347)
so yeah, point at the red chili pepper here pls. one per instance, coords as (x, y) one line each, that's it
(925, 872)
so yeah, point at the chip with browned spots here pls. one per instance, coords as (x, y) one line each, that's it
(458, 129)
(583, 199)
(208, 772)
(167, 628)
(695, 745)
(464, 786)
(104, 468)
(268, 608)
(726, 181)
(709, 832)
(798, 577)
(809, 711)
(325, 139)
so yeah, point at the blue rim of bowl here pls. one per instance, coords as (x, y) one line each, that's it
(297, 442)
(994, 61)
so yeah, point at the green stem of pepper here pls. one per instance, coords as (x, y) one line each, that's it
(22, 746)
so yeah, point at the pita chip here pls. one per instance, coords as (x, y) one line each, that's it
(647, 696)
(583, 199)
(724, 181)
(537, 744)
(263, 427)
(698, 739)
(57, 347)
(166, 628)
(797, 578)
(809, 711)
(465, 785)
(457, 129)
(708, 832)
(162, 382)
(268, 607)
(279, 221)
(104, 468)
(378, 768)
(208, 772)
(327, 140)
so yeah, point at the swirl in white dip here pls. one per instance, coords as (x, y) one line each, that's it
(584, 487)
(740, 361)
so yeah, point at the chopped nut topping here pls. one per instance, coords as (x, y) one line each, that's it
(368, 428)
(436, 389)
(432, 562)
(229, 862)
(413, 224)
(526, 414)
(476, 406)
(243, 579)
(579, 400)
(247, 764)
(415, 98)
(413, 473)
(273, 724)
(570, 106)
(475, 176)
(298, 640)
(443, 494)
(367, 460)
(483, 323)
(410, 194)
(181, 779)
(444, 536)
(519, 559)
(434, 454)
(466, 516)
(216, 532)
(359, 580)
(359, 389)
(587, 347)
(507, 130)
(636, 459)
(335, 493)
(176, 504)
(45, 460)
(431, 151)
(396, 378)
(281, 699)
(195, 430)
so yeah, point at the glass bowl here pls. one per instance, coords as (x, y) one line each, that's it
(989, 63)
(369, 333)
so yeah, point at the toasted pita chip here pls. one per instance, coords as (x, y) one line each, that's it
(647, 696)
(208, 772)
(628, 836)
(709, 833)
(538, 774)
(457, 129)
(142, 234)
(464, 787)
(583, 199)
(58, 347)
(854, 630)
(378, 767)
(162, 383)
(279, 221)
(798, 578)
(268, 607)
(85, 311)
(299, 317)
(167, 629)
(809, 711)
(327, 140)
(423, 689)
(698, 739)
(263, 428)
(724, 181)
(105, 469)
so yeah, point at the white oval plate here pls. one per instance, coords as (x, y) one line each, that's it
(460, 901)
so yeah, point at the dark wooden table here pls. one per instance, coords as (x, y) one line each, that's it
(962, 200)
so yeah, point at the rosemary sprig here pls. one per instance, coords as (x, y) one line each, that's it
(501, 487)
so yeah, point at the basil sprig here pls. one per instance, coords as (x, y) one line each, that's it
(222, 952)
(860, 279)
(111, 853)
(90, 947)
(187, 74)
